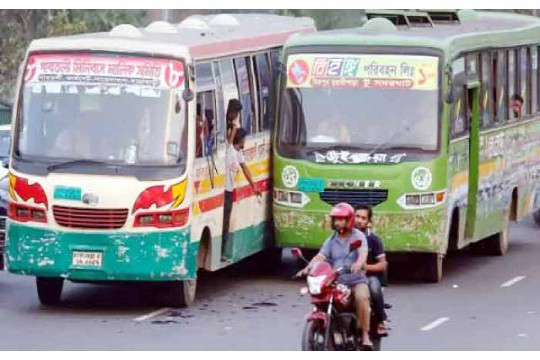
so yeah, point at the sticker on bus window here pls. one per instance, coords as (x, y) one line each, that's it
(366, 71)
(315, 185)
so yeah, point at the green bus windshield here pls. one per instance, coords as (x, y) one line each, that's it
(360, 101)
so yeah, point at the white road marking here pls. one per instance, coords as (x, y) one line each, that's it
(151, 315)
(513, 281)
(432, 325)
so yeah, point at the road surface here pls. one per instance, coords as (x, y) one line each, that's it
(483, 303)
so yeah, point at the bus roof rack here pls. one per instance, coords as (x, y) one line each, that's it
(418, 19)
(443, 17)
(395, 16)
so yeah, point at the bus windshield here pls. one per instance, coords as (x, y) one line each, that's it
(110, 109)
(370, 102)
(5, 140)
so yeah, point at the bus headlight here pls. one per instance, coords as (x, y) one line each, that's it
(290, 198)
(421, 200)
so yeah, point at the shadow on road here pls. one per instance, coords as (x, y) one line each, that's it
(130, 297)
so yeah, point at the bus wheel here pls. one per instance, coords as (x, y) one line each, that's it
(49, 290)
(181, 293)
(433, 267)
(497, 244)
(536, 217)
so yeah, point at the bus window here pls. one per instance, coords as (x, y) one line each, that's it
(205, 140)
(209, 114)
(472, 66)
(275, 56)
(230, 91)
(534, 80)
(266, 91)
(485, 92)
(501, 94)
(204, 79)
(242, 78)
(459, 119)
(511, 79)
(220, 120)
(523, 80)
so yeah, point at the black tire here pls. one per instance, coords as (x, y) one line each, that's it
(536, 217)
(49, 290)
(179, 294)
(376, 340)
(433, 267)
(270, 260)
(497, 245)
(313, 336)
(478, 248)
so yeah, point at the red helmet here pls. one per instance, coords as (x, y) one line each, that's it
(343, 210)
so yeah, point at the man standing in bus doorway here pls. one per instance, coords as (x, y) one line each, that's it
(375, 265)
(517, 105)
(236, 138)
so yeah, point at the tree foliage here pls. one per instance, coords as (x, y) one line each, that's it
(19, 27)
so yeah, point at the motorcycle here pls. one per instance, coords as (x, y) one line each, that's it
(332, 323)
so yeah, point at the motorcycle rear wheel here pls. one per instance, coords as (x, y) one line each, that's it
(313, 336)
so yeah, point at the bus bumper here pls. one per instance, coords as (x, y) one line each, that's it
(407, 231)
(152, 256)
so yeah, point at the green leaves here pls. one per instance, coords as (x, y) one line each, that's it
(20, 27)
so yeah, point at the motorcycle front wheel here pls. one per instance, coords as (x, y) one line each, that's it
(313, 336)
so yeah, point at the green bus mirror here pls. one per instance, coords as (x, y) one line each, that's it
(450, 97)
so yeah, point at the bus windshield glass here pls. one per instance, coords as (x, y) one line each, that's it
(103, 108)
(369, 102)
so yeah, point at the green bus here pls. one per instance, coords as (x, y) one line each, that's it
(430, 117)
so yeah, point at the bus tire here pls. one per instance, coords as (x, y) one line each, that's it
(497, 245)
(49, 290)
(433, 267)
(271, 259)
(180, 294)
(536, 217)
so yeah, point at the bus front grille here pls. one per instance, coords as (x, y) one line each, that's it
(372, 197)
(84, 218)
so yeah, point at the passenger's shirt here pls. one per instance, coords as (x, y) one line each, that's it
(336, 251)
(376, 251)
(234, 159)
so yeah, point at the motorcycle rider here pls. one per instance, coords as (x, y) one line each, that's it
(335, 250)
(375, 266)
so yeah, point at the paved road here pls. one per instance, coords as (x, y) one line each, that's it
(469, 310)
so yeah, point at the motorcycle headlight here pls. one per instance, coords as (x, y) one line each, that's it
(315, 284)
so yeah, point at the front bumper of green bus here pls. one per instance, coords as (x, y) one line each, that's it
(405, 231)
(152, 256)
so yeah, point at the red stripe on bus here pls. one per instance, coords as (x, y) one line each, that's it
(211, 203)
(239, 194)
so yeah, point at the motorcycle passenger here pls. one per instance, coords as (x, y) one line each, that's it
(375, 266)
(335, 250)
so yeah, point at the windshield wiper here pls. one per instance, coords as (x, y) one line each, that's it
(75, 162)
(406, 128)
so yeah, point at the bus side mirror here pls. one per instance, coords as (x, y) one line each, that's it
(188, 95)
(355, 245)
(450, 97)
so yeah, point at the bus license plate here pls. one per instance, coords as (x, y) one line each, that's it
(87, 258)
